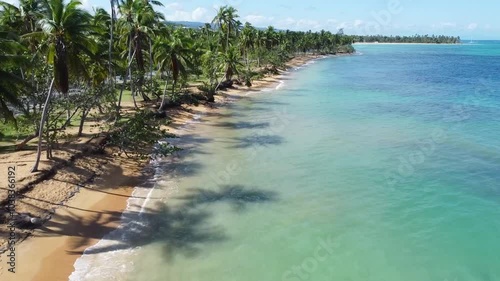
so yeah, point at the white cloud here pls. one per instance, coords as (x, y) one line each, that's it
(308, 24)
(344, 25)
(175, 12)
(199, 14)
(257, 20)
(87, 5)
(332, 21)
(472, 26)
(288, 21)
(443, 26)
(173, 6)
(298, 24)
(448, 24)
(358, 23)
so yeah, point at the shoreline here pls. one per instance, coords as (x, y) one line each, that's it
(85, 219)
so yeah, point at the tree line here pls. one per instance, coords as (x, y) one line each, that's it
(60, 64)
(428, 39)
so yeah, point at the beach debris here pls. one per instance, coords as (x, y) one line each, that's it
(27, 220)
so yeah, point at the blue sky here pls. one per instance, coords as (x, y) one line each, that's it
(478, 19)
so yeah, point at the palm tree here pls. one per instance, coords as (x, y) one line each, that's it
(96, 64)
(271, 37)
(11, 85)
(138, 22)
(247, 41)
(231, 63)
(64, 29)
(206, 30)
(172, 53)
(226, 21)
(21, 18)
(111, 40)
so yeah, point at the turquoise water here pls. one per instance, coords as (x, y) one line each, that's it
(378, 166)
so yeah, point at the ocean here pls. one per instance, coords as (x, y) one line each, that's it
(383, 165)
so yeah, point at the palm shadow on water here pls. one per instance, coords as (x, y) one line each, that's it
(180, 229)
(243, 125)
(256, 140)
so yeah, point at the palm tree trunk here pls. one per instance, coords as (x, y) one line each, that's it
(110, 50)
(258, 56)
(68, 119)
(119, 105)
(248, 60)
(173, 87)
(130, 71)
(22, 144)
(68, 113)
(82, 122)
(227, 41)
(42, 123)
(151, 63)
(163, 101)
(132, 87)
(123, 86)
(49, 141)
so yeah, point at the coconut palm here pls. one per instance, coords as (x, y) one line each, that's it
(231, 63)
(113, 4)
(11, 85)
(65, 33)
(247, 41)
(226, 21)
(138, 23)
(271, 37)
(21, 18)
(260, 42)
(172, 53)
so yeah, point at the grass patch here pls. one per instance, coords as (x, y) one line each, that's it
(9, 134)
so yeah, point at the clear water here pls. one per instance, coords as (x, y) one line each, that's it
(379, 166)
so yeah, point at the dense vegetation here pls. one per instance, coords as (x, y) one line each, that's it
(433, 39)
(60, 64)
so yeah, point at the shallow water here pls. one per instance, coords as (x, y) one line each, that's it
(380, 166)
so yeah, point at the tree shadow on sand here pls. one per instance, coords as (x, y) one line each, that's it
(182, 228)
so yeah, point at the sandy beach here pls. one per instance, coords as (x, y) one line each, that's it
(88, 197)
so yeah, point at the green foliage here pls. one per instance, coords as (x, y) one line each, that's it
(164, 149)
(345, 49)
(153, 87)
(42, 40)
(134, 137)
(15, 132)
